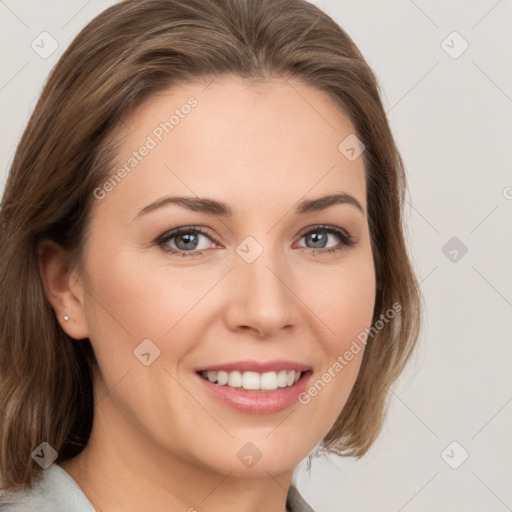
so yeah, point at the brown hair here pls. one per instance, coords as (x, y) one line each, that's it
(129, 52)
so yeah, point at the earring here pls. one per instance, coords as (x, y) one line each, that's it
(66, 317)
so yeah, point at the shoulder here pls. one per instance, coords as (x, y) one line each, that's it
(54, 491)
(295, 502)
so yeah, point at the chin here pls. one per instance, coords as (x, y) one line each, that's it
(258, 455)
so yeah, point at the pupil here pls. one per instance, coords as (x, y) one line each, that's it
(318, 239)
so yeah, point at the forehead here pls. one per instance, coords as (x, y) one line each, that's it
(257, 142)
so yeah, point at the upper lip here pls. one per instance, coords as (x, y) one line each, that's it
(257, 366)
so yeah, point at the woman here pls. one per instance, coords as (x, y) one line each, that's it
(204, 274)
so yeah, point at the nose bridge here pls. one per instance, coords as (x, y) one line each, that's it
(263, 300)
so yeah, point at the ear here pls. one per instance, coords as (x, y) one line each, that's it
(63, 288)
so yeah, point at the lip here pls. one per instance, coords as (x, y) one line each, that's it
(256, 366)
(257, 401)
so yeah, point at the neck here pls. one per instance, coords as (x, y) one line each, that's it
(123, 469)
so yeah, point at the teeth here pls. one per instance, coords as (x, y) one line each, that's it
(281, 379)
(234, 379)
(268, 381)
(222, 378)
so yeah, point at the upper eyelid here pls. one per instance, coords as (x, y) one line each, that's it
(184, 229)
(325, 227)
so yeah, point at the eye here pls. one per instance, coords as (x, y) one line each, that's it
(186, 241)
(319, 239)
(189, 241)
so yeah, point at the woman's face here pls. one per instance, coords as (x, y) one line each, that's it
(269, 285)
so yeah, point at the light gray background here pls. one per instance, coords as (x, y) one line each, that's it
(452, 122)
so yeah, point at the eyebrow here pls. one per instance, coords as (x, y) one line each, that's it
(209, 206)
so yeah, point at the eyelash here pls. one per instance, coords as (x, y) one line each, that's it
(346, 240)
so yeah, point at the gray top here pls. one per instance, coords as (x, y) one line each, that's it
(56, 491)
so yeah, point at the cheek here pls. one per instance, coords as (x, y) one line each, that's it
(128, 303)
(136, 296)
(350, 311)
(343, 300)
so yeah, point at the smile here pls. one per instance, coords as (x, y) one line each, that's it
(268, 381)
(255, 387)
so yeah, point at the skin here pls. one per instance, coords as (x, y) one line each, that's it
(159, 440)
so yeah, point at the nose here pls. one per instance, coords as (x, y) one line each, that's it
(261, 297)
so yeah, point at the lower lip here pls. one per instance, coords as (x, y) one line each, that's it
(257, 402)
